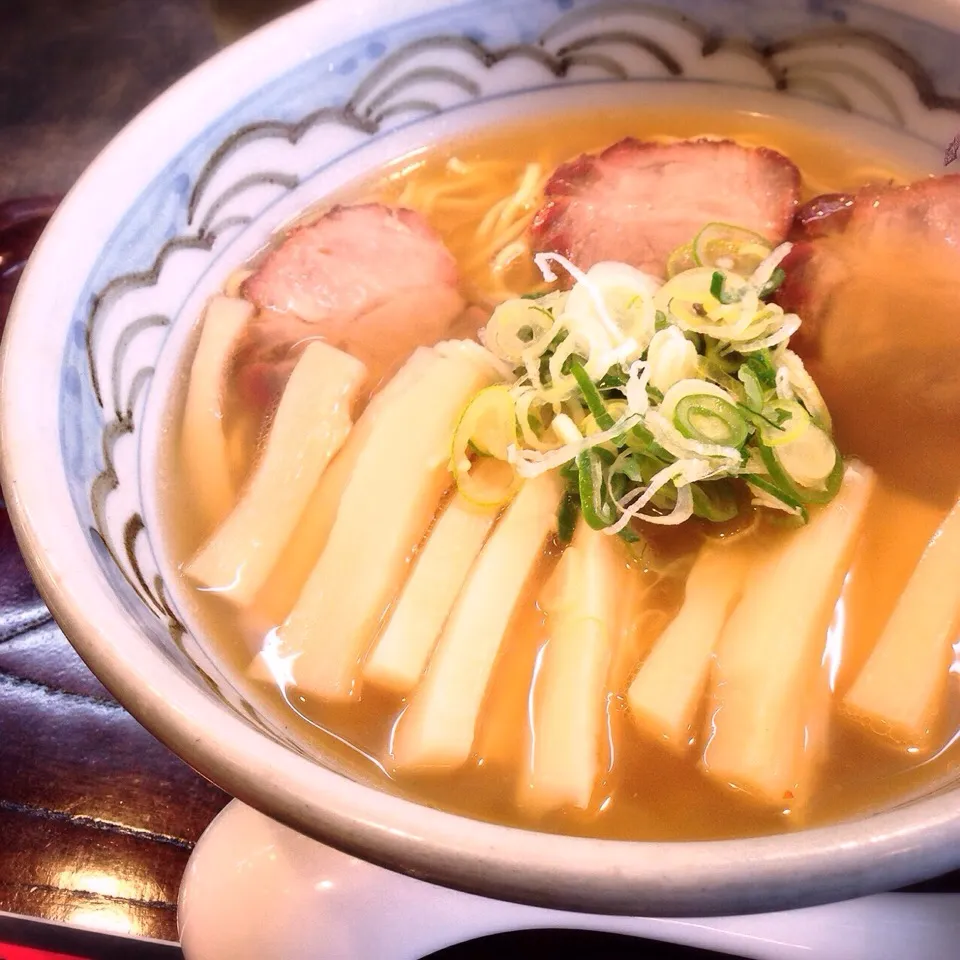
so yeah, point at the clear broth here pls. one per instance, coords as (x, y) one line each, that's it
(646, 794)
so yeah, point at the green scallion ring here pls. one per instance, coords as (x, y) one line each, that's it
(710, 419)
(729, 247)
(591, 395)
(786, 482)
(597, 510)
(782, 495)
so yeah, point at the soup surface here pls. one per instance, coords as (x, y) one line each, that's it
(479, 194)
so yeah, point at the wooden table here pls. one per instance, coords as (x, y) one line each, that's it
(97, 819)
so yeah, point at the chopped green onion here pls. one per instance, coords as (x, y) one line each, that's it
(568, 472)
(590, 393)
(773, 284)
(596, 507)
(696, 339)
(730, 247)
(716, 285)
(709, 419)
(567, 367)
(752, 389)
(606, 457)
(632, 468)
(640, 439)
(567, 516)
(761, 363)
(716, 391)
(757, 418)
(717, 369)
(804, 493)
(717, 291)
(613, 379)
(544, 374)
(628, 534)
(618, 483)
(779, 494)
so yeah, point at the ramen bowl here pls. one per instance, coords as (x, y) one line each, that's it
(197, 184)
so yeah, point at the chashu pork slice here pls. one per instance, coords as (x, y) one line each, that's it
(875, 278)
(842, 237)
(638, 200)
(372, 280)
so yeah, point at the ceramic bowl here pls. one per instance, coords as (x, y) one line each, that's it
(198, 182)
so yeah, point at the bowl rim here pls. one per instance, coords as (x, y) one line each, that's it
(605, 876)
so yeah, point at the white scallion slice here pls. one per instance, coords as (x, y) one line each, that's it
(689, 387)
(532, 463)
(789, 325)
(791, 419)
(627, 295)
(803, 386)
(670, 358)
(638, 401)
(681, 474)
(675, 443)
(764, 271)
(566, 429)
(543, 261)
(488, 424)
(680, 259)
(809, 459)
(517, 326)
(729, 247)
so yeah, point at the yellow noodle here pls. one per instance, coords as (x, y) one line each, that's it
(483, 227)
(492, 218)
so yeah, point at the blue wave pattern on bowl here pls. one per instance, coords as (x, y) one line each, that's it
(372, 85)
